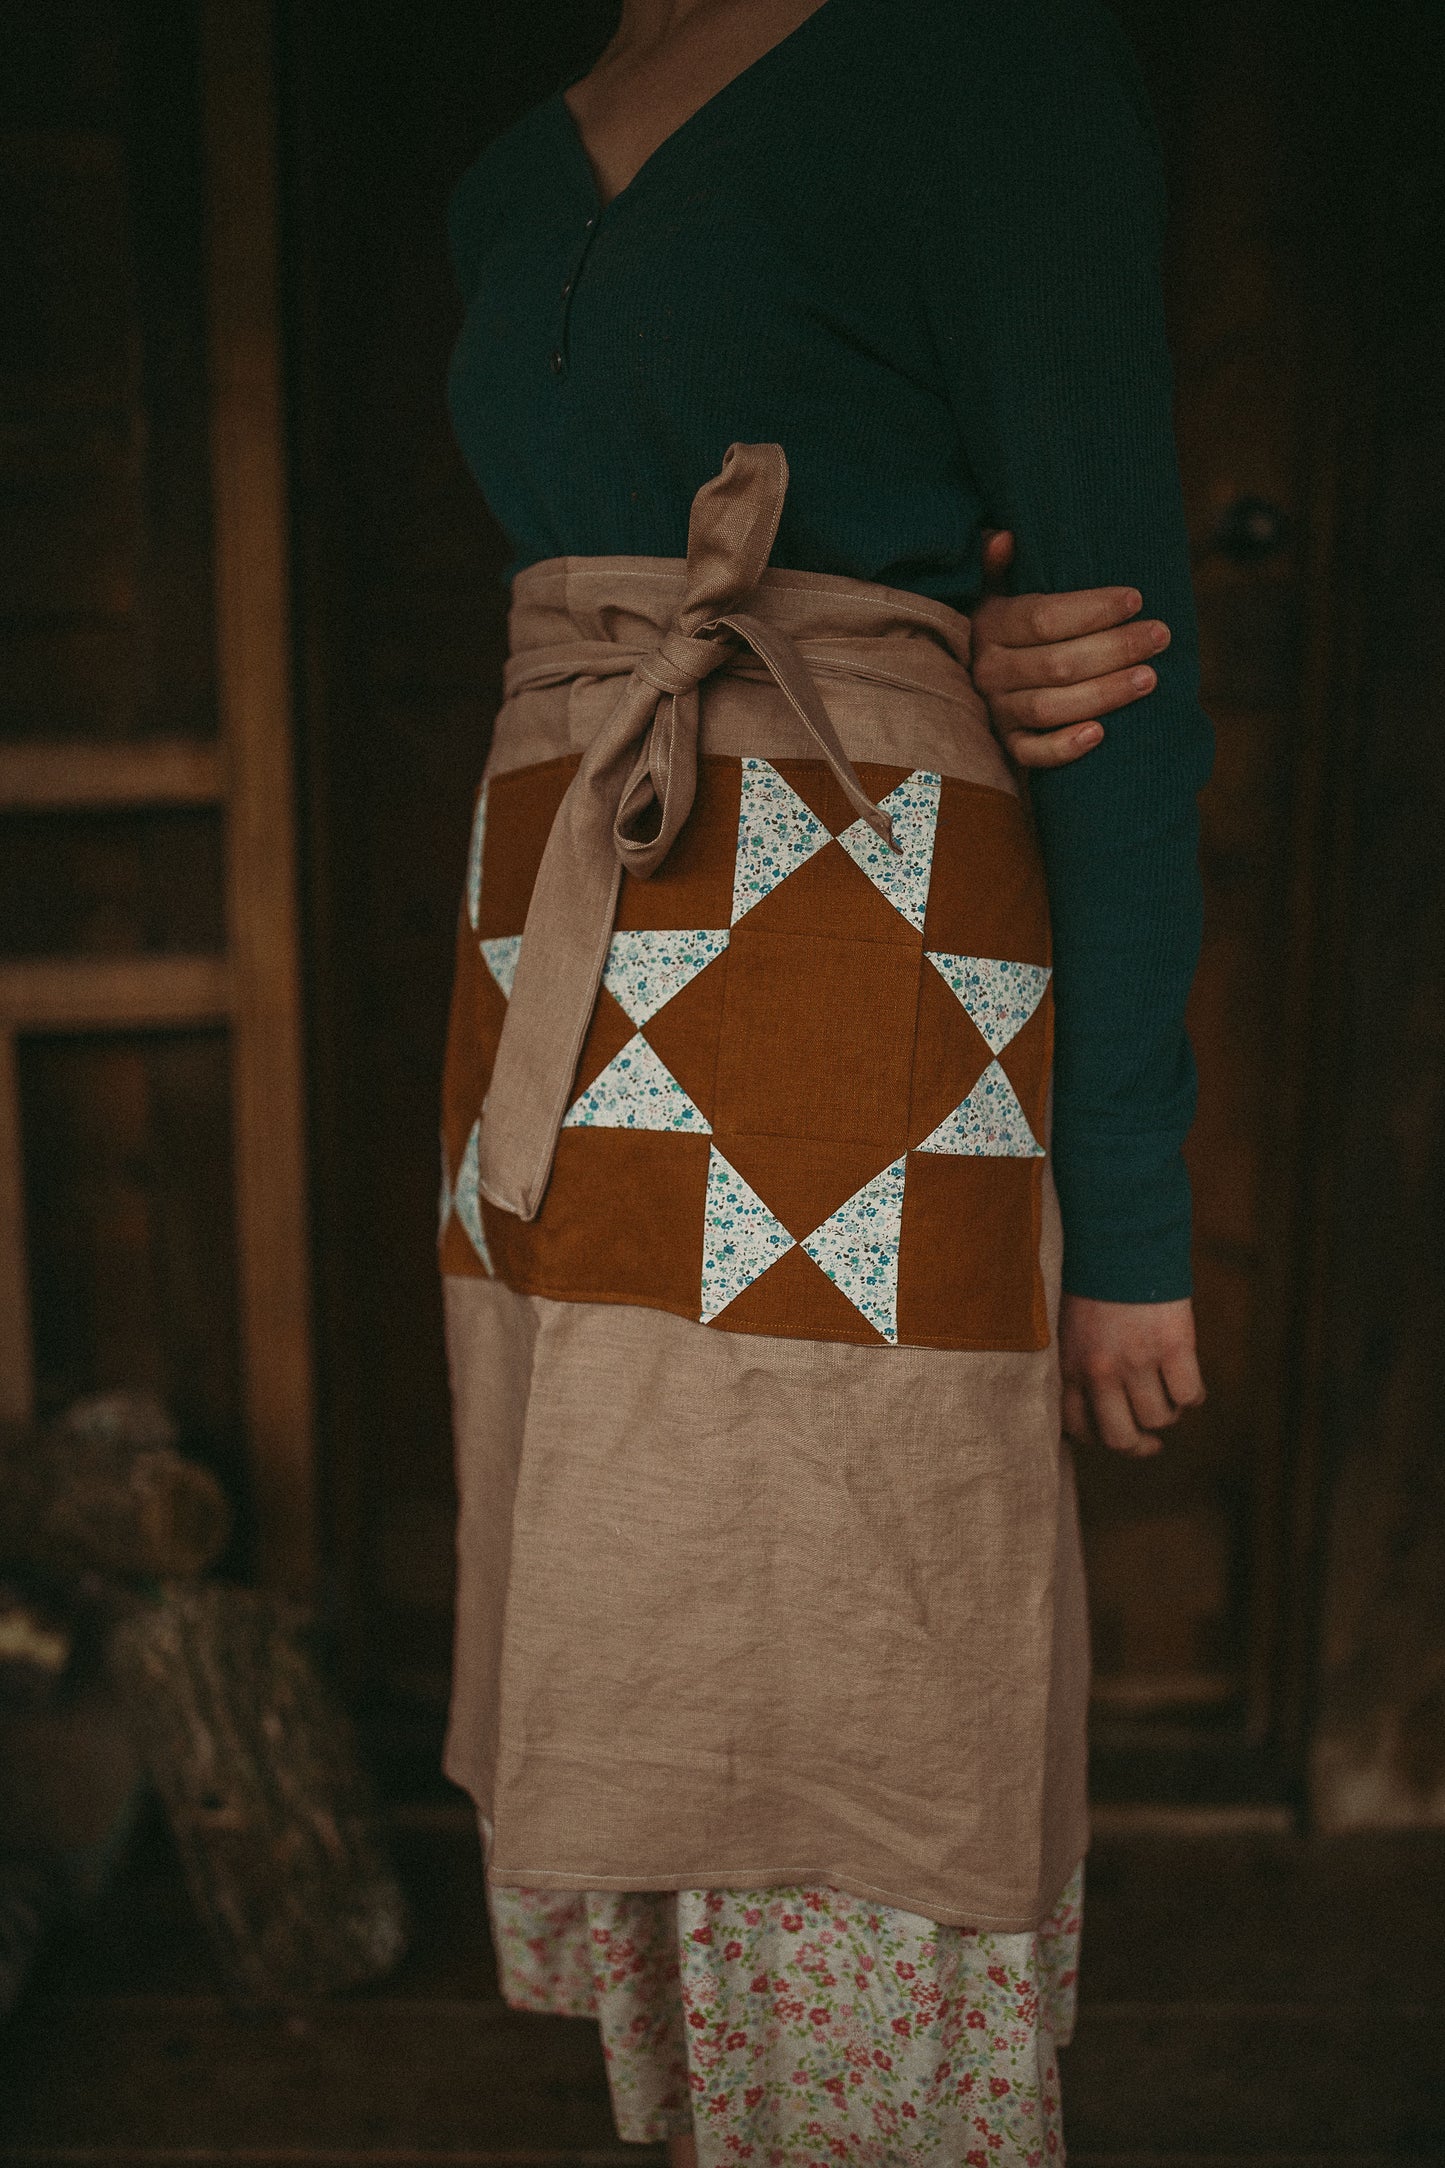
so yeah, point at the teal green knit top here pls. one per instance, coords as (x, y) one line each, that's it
(917, 245)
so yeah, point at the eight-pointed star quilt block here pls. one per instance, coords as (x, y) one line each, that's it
(811, 1100)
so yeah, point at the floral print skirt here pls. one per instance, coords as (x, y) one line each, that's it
(795, 2027)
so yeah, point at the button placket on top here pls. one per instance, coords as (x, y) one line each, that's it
(557, 360)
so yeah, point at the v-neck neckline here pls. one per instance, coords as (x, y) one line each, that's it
(720, 96)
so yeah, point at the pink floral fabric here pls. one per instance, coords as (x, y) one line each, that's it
(797, 2028)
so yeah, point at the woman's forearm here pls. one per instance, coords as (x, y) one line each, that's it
(1038, 251)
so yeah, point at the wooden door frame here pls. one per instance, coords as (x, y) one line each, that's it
(253, 676)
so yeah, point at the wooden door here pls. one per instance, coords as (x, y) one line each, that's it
(1198, 1561)
(1202, 1562)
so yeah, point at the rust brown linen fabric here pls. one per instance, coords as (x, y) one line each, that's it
(832, 1127)
(736, 1611)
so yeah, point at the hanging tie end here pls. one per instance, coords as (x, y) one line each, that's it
(499, 1179)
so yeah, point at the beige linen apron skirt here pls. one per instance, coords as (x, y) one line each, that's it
(769, 1566)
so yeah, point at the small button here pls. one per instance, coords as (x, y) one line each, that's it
(566, 288)
(589, 225)
(556, 363)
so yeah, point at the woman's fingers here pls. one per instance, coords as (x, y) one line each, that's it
(1048, 707)
(998, 552)
(1049, 666)
(1077, 1422)
(1114, 1420)
(1150, 1402)
(999, 666)
(1044, 700)
(1041, 620)
(1049, 727)
(1180, 1371)
(1048, 748)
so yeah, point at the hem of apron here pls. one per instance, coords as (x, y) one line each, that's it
(866, 1338)
(793, 1877)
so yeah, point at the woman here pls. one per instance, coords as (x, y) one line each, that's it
(771, 1658)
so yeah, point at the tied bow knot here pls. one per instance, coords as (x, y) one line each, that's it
(624, 808)
(681, 660)
(658, 795)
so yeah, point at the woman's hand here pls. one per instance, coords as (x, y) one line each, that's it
(1048, 666)
(1129, 1370)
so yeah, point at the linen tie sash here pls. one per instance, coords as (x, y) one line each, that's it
(627, 802)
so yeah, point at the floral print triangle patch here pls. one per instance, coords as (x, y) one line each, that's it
(990, 1123)
(740, 1237)
(902, 875)
(1000, 997)
(644, 970)
(777, 833)
(636, 1091)
(500, 957)
(858, 1248)
(467, 1199)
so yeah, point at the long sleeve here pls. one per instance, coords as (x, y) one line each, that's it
(1040, 216)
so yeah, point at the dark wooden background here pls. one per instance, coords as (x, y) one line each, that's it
(1268, 1595)
(106, 636)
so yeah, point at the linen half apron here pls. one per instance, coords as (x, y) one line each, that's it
(769, 1565)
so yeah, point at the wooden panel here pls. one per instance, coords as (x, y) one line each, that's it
(71, 523)
(104, 543)
(49, 776)
(111, 883)
(1319, 1014)
(69, 678)
(66, 265)
(100, 548)
(133, 993)
(1195, 1585)
(1377, 1687)
(1245, 431)
(253, 667)
(132, 1230)
(63, 65)
(17, 1368)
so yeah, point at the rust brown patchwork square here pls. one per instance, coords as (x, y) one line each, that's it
(812, 1095)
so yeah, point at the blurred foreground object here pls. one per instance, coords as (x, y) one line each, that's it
(116, 1661)
(37, 1640)
(257, 1766)
(27, 1900)
(70, 1781)
(104, 1490)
